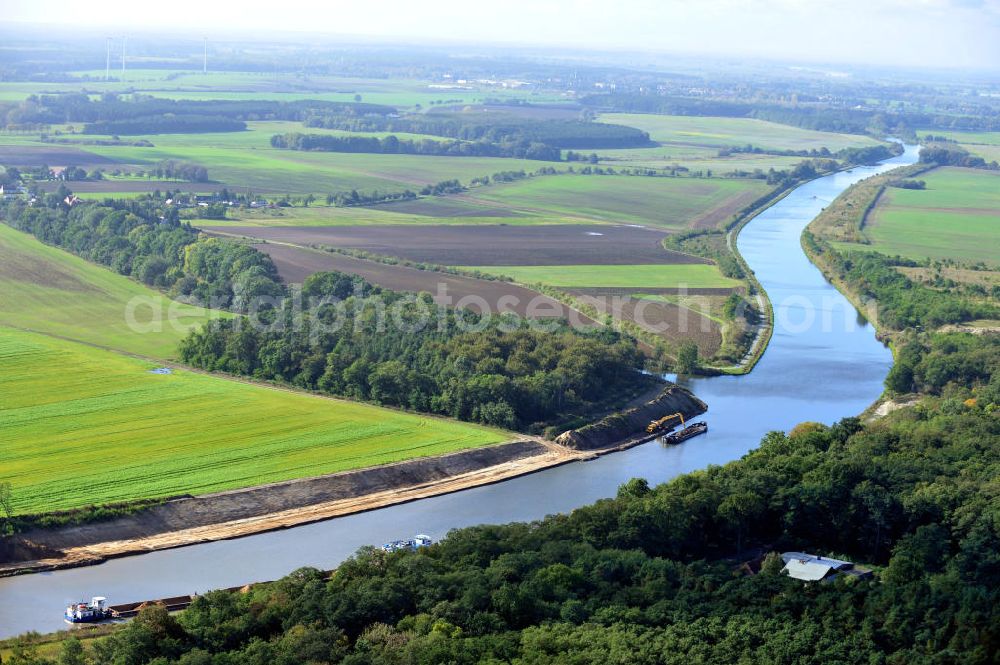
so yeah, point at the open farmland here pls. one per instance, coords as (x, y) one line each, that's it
(191, 83)
(491, 244)
(295, 264)
(734, 132)
(246, 160)
(956, 217)
(85, 426)
(693, 143)
(666, 202)
(423, 211)
(46, 289)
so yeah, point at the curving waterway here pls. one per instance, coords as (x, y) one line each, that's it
(823, 364)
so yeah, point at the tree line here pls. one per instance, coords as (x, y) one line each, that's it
(146, 240)
(172, 169)
(493, 370)
(392, 145)
(498, 128)
(953, 155)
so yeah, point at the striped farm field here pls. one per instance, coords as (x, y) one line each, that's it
(85, 426)
(956, 217)
(48, 290)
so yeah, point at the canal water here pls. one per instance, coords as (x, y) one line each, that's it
(823, 364)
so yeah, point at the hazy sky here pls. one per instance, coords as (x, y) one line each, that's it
(954, 33)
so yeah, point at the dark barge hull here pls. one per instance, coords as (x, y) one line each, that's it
(688, 432)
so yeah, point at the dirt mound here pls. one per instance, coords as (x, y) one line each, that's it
(625, 425)
(21, 549)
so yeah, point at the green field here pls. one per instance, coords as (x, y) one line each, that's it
(668, 202)
(727, 132)
(986, 138)
(981, 144)
(46, 289)
(559, 199)
(692, 276)
(84, 426)
(956, 217)
(246, 160)
(693, 143)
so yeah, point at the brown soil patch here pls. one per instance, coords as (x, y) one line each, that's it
(444, 208)
(27, 155)
(712, 217)
(295, 264)
(986, 278)
(489, 244)
(666, 320)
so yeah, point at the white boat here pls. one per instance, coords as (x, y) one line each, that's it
(96, 610)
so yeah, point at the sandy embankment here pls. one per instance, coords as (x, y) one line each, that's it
(224, 515)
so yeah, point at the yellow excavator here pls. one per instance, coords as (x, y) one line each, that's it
(664, 422)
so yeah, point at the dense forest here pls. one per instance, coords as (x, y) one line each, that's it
(493, 127)
(145, 240)
(160, 124)
(393, 145)
(359, 341)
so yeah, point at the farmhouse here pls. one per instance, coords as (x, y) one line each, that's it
(814, 568)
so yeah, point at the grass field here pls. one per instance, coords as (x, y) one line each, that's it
(667, 202)
(560, 199)
(956, 217)
(727, 132)
(693, 276)
(84, 426)
(694, 142)
(46, 289)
